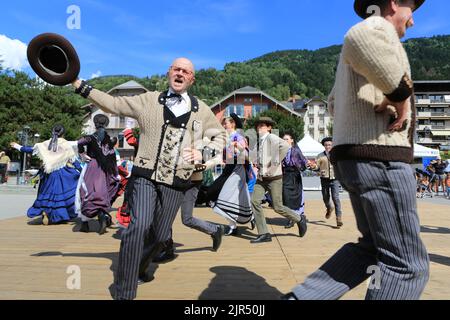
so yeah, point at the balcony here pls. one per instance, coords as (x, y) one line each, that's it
(438, 127)
(423, 101)
(433, 114)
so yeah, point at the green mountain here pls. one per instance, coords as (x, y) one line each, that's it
(305, 73)
(281, 74)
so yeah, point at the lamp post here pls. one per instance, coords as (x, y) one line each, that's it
(23, 136)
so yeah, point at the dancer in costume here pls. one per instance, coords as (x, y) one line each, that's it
(99, 179)
(59, 176)
(293, 165)
(229, 195)
(171, 123)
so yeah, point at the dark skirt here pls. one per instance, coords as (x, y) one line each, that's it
(292, 188)
(97, 190)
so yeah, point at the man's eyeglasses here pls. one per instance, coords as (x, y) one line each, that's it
(183, 71)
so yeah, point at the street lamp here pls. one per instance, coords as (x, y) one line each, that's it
(23, 137)
(37, 136)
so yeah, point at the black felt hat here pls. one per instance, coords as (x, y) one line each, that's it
(237, 121)
(53, 59)
(361, 6)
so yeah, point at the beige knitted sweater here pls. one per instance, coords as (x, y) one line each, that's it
(372, 64)
(163, 137)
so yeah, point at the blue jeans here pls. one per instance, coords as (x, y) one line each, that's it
(330, 188)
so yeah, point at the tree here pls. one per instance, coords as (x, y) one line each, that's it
(330, 128)
(25, 101)
(284, 123)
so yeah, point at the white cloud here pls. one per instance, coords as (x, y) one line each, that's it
(13, 53)
(96, 74)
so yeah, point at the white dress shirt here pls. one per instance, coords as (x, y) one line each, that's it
(178, 107)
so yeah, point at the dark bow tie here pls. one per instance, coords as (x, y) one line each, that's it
(175, 96)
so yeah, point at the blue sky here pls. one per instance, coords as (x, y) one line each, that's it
(142, 37)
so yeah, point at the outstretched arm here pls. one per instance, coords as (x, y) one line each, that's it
(122, 106)
(21, 148)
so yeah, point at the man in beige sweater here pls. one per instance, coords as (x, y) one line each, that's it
(267, 156)
(373, 149)
(173, 125)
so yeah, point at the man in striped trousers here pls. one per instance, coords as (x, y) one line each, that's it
(173, 127)
(373, 134)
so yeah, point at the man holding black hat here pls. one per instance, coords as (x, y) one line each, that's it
(373, 148)
(268, 156)
(173, 125)
(330, 185)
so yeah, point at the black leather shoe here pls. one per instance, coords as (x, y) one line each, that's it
(84, 227)
(290, 224)
(228, 231)
(165, 257)
(289, 296)
(103, 221)
(144, 278)
(262, 238)
(108, 220)
(302, 226)
(217, 238)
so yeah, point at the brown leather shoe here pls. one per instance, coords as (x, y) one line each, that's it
(339, 222)
(329, 212)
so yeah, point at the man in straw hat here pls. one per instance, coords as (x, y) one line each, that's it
(373, 148)
(268, 156)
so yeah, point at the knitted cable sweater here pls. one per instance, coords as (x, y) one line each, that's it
(373, 64)
(163, 135)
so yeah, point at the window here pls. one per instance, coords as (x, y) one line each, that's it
(311, 121)
(437, 98)
(248, 100)
(238, 109)
(122, 122)
(121, 140)
(259, 108)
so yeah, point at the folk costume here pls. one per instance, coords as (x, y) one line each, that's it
(99, 180)
(58, 178)
(169, 123)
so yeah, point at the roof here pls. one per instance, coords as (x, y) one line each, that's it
(251, 90)
(432, 86)
(130, 85)
(316, 98)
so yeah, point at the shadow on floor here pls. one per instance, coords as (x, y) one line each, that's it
(440, 259)
(322, 224)
(237, 283)
(431, 229)
(278, 221)
(113, 256)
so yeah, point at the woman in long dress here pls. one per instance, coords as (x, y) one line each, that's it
(99, 179)
(229, 195)
(58, 178)
(293, 165)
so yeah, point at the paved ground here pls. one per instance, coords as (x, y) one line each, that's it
(34, 259)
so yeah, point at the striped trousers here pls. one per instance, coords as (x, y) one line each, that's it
(153, 209)
(384, 203)
(187, 210)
